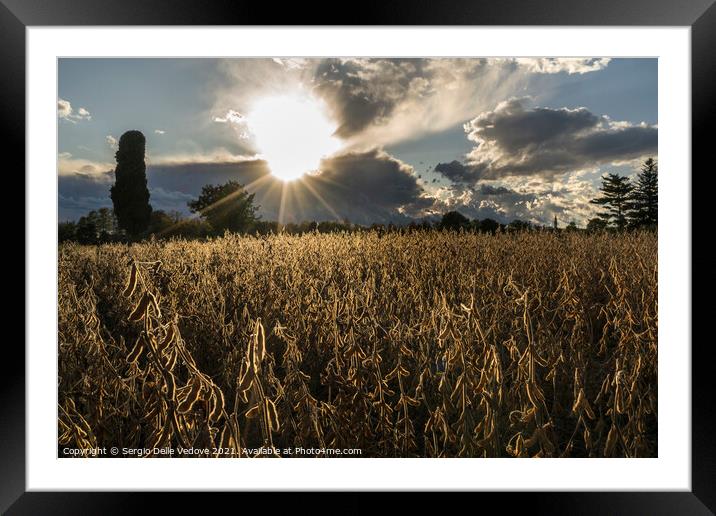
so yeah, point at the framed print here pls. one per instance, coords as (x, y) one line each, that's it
(431, 251)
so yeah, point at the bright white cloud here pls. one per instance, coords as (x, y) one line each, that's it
(236, 120)
(69, 166)
(214, 156)
(580, 65)
(64, 108)
(231, 116)
(66, 112)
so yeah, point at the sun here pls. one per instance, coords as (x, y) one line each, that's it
(292, 133)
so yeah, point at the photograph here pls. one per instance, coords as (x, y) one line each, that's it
(357, 257)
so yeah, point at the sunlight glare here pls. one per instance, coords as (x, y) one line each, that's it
(292, 133)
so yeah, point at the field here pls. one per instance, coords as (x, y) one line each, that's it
(400, 345)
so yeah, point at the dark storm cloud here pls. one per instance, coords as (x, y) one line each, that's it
(456, 171)
(363, 187)
(170, 186)
(81, 193)
(494, 190)
(425, 93)
(362, 92)
(370, 186)
(515, 141)
(373, 176)
(188, 178)
(518, 130)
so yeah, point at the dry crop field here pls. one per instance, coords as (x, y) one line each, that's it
(406, 345)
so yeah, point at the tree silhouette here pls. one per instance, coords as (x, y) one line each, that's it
(616, 195)
(571, 227)
(87, 229)
(226, 207)
(518, 225)
(489, 226)
(66, 231)
(645, 198)
(130, 195)
(454, 220)
(596, 224)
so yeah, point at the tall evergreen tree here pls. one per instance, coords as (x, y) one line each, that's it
(130, 195)
(616, 196)
(645, 199)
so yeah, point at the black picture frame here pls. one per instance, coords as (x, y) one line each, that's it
(700, 15)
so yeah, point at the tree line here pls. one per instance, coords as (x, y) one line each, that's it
(627, 204)
(229, 207)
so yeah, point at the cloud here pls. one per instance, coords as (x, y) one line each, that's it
(534, 199)
(79, 193)
(64, 108)
(364, 187)
(237, 121)
(159, 131)
(382, 101)
(512, 140)
(219, 155)
(570, 65)
(495, 190)
(66, 112)
(291, 63)
(168, 200)
(67, 165)
(231, 116)
(111, 141)
(456, 171)
(370, 186)
(364, 91)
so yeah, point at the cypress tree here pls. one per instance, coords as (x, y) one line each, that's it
(130, 195)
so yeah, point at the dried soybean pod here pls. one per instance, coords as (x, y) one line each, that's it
(136, 351)
(168, 339)
(191, 398)
(132, 282)
(611, 441)
(253, 411)
(260, 340)
(154, 304)
(171, 360)
(246, 378)
(272, 415)
(171, 385)
(140, 310)
(218, 406)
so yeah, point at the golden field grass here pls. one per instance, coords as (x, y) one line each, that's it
(402, 345)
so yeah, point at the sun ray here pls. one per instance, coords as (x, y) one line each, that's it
(282, 204)
(252, 185)
(305, 182)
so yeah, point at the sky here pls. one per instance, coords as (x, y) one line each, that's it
(370, 140)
